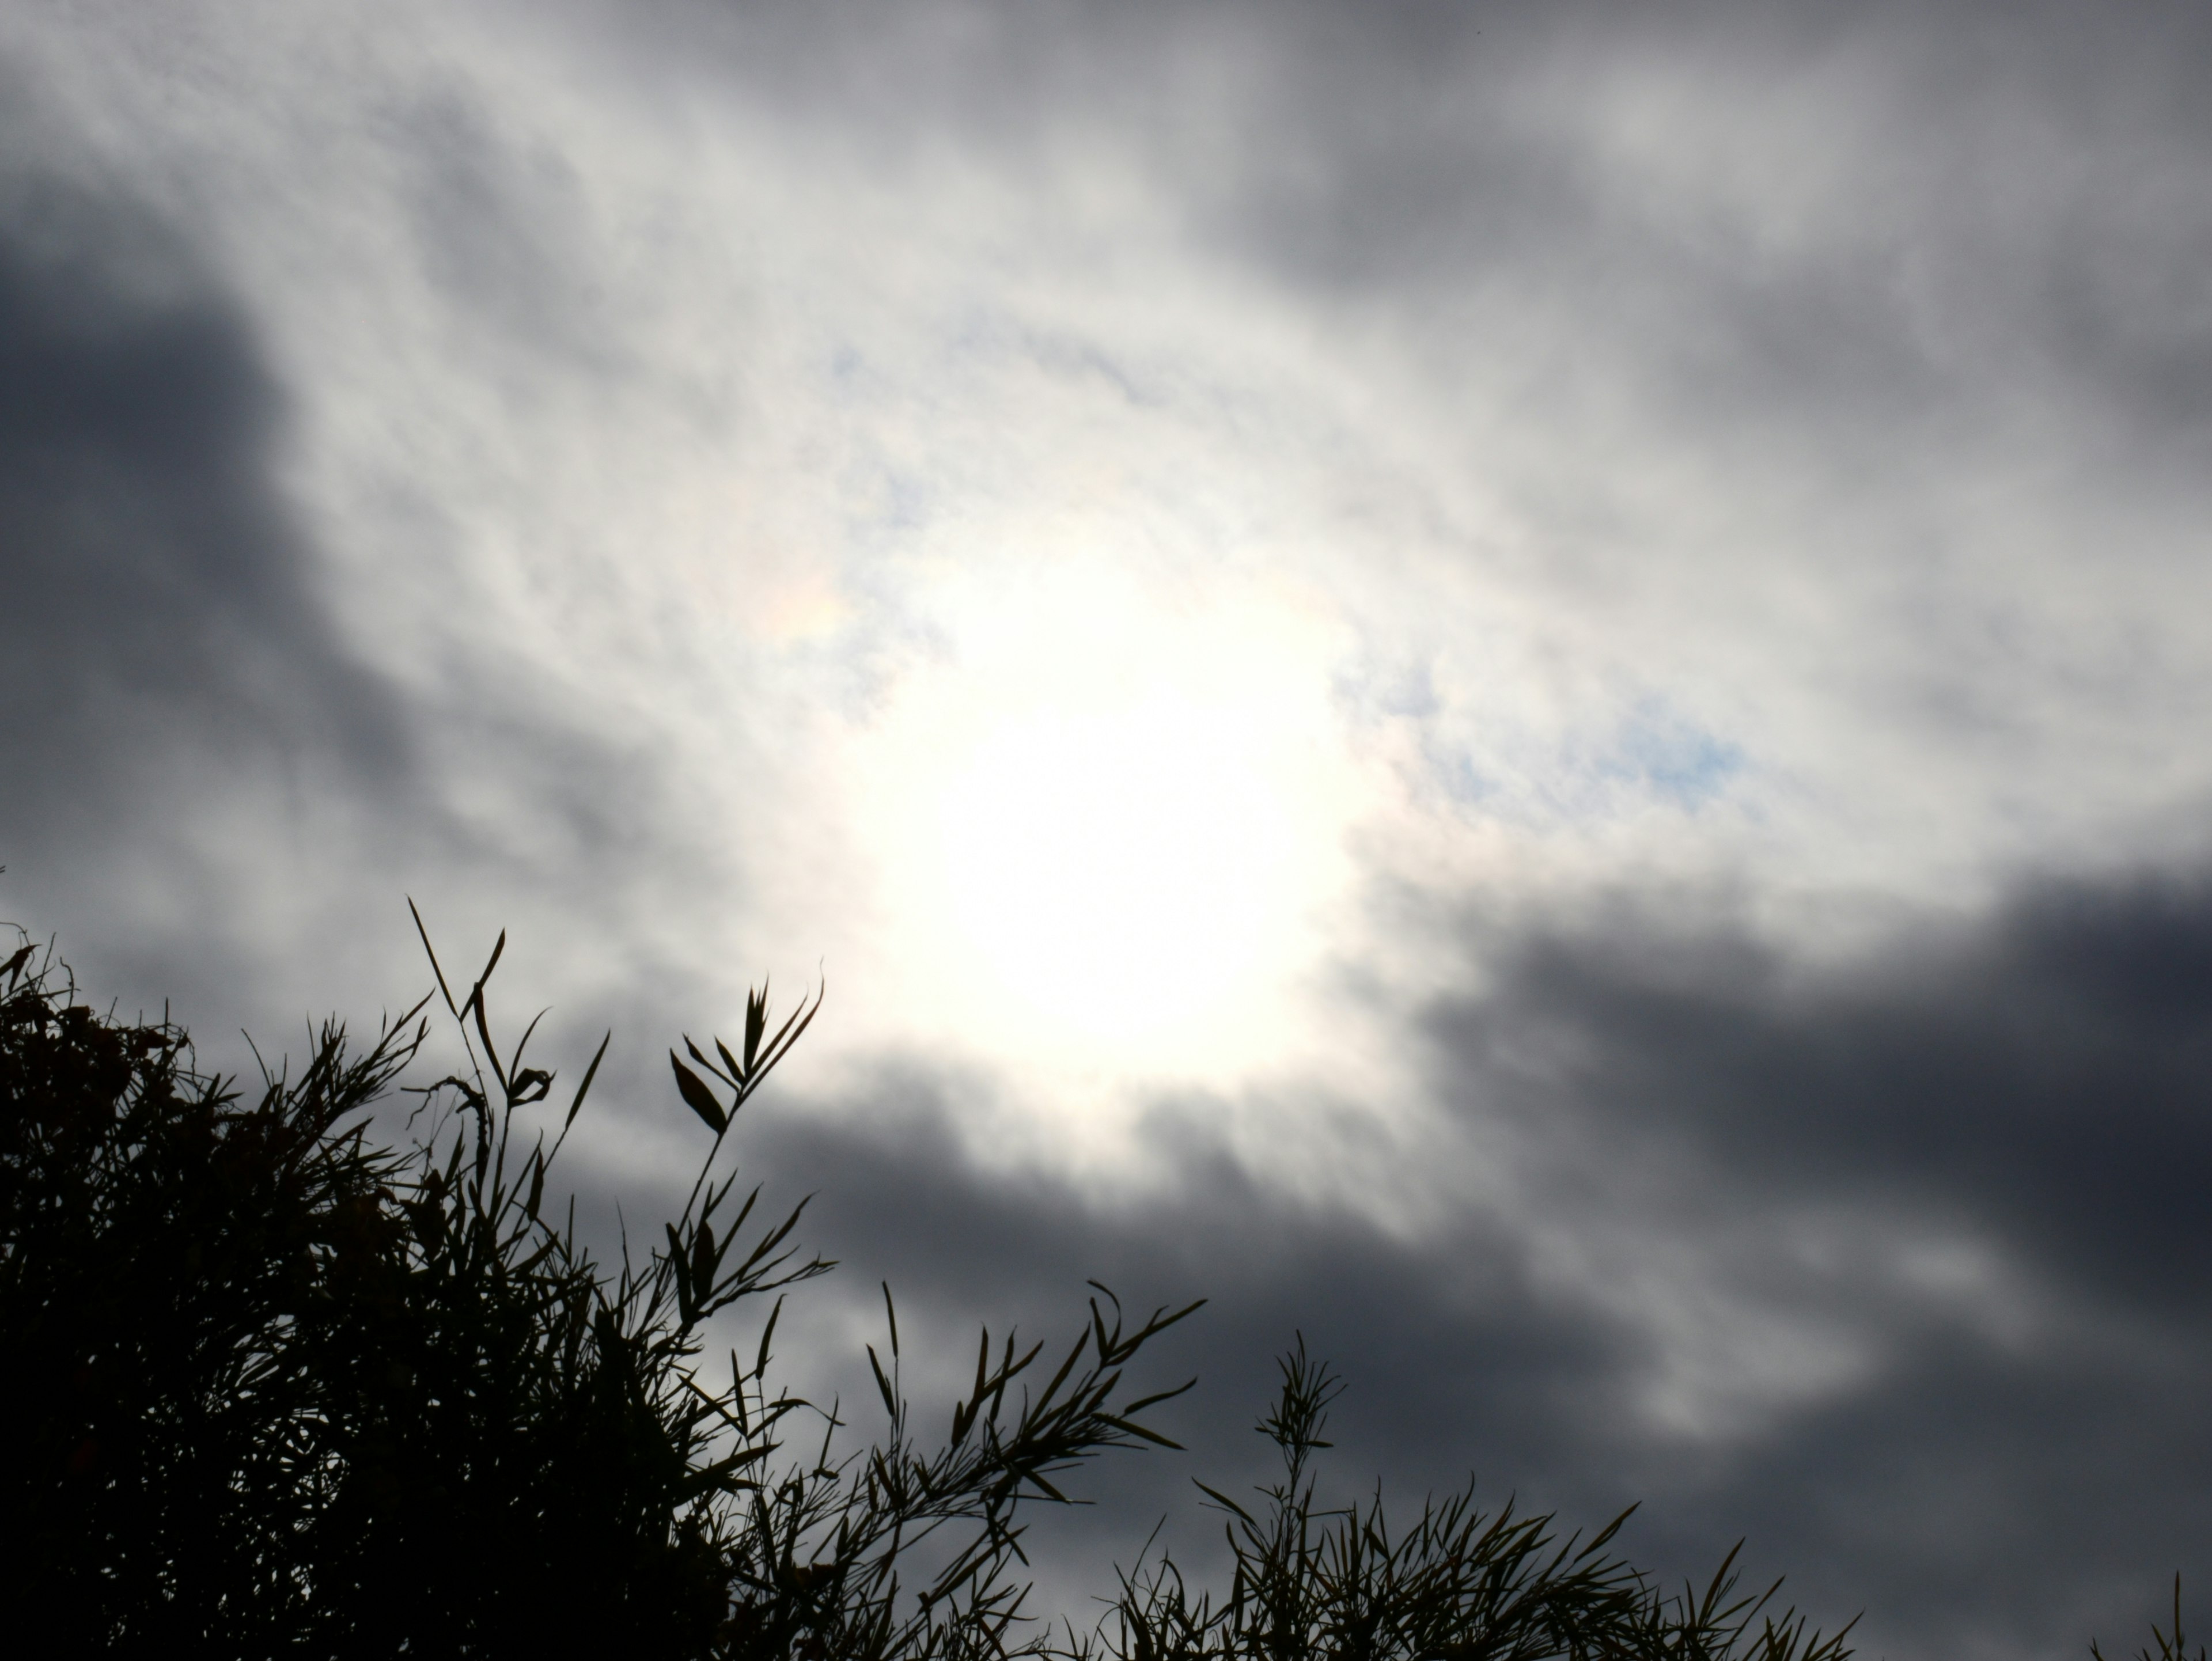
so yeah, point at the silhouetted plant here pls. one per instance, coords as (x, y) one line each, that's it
(271, 1387)
(280, 1390)
(1461, 1585)
(166, 1251)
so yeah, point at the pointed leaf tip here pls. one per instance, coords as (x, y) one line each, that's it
(755, 1022)
(584, 1089)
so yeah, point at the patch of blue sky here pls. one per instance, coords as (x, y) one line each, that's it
(1670, 756)
(1454, 771)
(1653, 755)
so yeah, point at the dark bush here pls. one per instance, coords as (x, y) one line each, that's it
(277, 1388)
(273, 1388)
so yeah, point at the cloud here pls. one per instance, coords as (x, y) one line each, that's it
(1895, 1266)
(221, 735)
(1705, 507)
(162, 599)
(2033, 1078)
(182, 706)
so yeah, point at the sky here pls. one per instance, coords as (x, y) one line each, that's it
(1523, 688)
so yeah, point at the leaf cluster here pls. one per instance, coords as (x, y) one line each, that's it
(1460, 1585)
(281, 1389)
(274, 1388)
(174, 1260)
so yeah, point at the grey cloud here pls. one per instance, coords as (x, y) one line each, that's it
(2029, 1083)
(2032, 1080)
(173, 658)
(1982, 193)
(500, 230)
(2036, 1081)
(162, 610)
(1992, 219)
(2043, 1078)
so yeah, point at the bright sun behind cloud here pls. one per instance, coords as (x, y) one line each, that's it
(1107, 821)
(1116, 869)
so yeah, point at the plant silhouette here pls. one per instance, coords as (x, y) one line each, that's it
(273, 1388)
(280, 1390)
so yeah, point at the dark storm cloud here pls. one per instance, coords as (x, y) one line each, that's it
(906, 1200)
(2035, 1083)
(2043, 1079)
(163, 615)
(172, 653)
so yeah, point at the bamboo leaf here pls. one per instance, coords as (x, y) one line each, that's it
(1223, 1500)
(590, 1073)
(883, 1383)
(698, 1097)
(755, 1022)
(768, 1334)
(1169, 1394)
(1134, 1429)
(433, 956)
(522, 1043)
(475, 993)
(692, 1050)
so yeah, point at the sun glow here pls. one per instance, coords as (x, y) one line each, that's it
(1108, 822)
(1117, 868)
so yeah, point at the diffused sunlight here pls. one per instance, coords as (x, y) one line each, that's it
(1109, 823)
(1116, 869)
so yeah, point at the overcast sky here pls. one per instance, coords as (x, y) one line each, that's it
(1525, 686)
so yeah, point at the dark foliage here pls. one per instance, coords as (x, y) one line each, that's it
(180, 1269)
(1460, 1585)
(274, 1389)
(282, 1391)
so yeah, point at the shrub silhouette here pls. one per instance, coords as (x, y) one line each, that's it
(1461, 1583)
(274, 1388)
(280, 1390)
